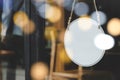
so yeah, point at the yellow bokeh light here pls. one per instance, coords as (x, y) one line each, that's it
(20, 18)
(113, 27)
(29, 28)
(85, 23)
(39, 71)
(53, 14)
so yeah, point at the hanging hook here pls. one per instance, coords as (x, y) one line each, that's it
(98, 16)
(70, 18)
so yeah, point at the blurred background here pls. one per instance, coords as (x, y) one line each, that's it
(34, 25)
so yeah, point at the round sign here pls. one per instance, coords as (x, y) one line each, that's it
(79, 42)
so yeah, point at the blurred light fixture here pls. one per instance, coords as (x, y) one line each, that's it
(81, 8)
(104, 41)
(50, 12)
(113, 27)
(53, 14)
(67, 4)
(102, 17)
(20, 19)
(42, 9)
(39, 71)
(29, 28)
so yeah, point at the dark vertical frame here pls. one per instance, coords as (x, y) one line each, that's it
(33, 43)
(27, 44)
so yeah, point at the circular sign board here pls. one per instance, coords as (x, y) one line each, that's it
(79, 42)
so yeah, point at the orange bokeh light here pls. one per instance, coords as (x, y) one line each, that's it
(39, 71)
(20, 19)
(29, 28)
(53, 14)
(113, 27)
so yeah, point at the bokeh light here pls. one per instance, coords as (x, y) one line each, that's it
(42, 9)
(102, 16)
(49, 12)
(39, 71)
(21, 19)
(85, 23)
(104, 41)
(29, 28)
(81, 49)
(67, 4)
(113, 27)
(38, 3)
(53, 14)
(81, 8)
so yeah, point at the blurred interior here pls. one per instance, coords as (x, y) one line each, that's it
(20, 53)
